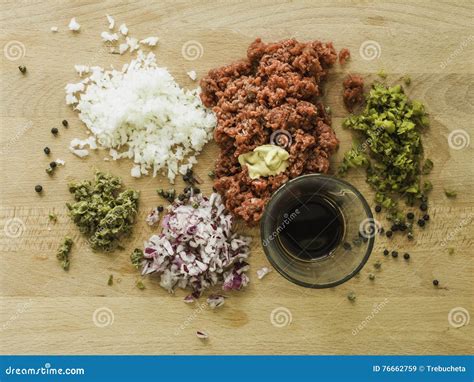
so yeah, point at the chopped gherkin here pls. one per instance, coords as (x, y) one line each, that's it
(103, 211)
(391, 150)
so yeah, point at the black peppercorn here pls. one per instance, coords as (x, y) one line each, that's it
(65, 123)
(38, 188)
(426, 217)
(389, 233)
(423, 206)
(421, 222)
(410, 236)
(54, 130)
(385, 252)
(381, 230)
(378, 208)
(160, 208)
(53, 164)
(406, 256)
(394, 254)
(403, 227)
(394, 228)
(435, 282)
(22, 69)
(196, 190)
(47, 151)
(347, 246)
(410, 215)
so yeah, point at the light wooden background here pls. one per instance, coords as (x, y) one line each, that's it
(46, 310)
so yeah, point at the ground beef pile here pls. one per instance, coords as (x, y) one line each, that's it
(275, 88)
(353, 91)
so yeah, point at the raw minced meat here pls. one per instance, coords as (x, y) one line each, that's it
(353, 91)
(275, 88)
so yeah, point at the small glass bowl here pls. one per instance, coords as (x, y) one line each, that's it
(347, 258)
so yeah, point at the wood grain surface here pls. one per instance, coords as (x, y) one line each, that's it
(46, 310)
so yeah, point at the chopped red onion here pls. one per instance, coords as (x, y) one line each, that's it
(262, 272)
(153, 217)
(197, 248)
(215, 301)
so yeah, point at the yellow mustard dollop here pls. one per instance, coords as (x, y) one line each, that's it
(265, 160)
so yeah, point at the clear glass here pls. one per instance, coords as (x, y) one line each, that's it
(343, 261)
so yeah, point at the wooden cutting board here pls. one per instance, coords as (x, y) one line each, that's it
(47, 310)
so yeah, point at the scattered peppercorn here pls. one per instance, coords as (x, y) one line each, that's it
(65, 123)
(38, 188)
(381, 230)
(53, 164)
(394, 228)
(378, 208)
(410, 235)
(47, 151)
(410, 216)
(196, 190)
(22, 69)
(49, 171)
(347, 246)
(423, 206)
(406, 256)
(435, 282)
(377, 265)
(385, 252)
(394, 254)
(351, 296)
(389, 233)
(371, 276)
(160, 208)
(421, 222)
(426, 217)
(54, 131)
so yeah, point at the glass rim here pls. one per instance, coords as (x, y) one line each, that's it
(370, 244)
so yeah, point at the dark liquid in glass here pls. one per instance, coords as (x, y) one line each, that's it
(311, 229)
